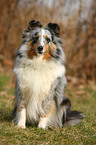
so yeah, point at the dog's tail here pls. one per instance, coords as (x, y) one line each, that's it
(71, 117)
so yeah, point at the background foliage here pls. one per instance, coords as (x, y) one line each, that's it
(77, 20)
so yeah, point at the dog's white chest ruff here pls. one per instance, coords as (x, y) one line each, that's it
(35, 80)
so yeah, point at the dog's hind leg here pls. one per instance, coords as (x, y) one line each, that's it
(45, 121)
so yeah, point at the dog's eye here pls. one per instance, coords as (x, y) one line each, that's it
(48, 39)
(36, 38)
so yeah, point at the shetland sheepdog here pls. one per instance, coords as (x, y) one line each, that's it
(41, 81)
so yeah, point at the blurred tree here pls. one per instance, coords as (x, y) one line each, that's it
(77, 20)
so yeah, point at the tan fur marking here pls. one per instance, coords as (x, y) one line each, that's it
(29, 43)
(51, 109)
(47, 56)
(41, 116)
(52, 48)
(24, 105)
(31, 51)
(38, 35)
(46, 36)
(48, 53)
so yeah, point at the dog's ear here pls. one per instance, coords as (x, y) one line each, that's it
(54, 28)
(33, 24)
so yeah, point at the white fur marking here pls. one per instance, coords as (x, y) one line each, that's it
(42, 37)
(21, 118)
(43, 123)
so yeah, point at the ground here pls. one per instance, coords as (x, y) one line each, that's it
(82, 98)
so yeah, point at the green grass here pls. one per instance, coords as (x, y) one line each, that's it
(82, 134)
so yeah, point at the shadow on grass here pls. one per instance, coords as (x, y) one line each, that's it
(5, 114)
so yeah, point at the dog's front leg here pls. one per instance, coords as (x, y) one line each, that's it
(20, 118)
(43, 123)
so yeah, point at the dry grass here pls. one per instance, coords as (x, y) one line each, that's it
(82, 134)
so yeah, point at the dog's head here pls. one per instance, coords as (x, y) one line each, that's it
(44, 42)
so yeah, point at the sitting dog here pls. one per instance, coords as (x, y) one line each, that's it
(41, 81)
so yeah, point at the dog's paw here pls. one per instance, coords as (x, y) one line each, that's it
(19, 123)
(43, 123)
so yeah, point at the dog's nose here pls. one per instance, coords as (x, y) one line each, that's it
(40, 48)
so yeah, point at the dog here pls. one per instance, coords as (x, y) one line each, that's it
(41, 81)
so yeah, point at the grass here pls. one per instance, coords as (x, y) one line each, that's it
(82, 134)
